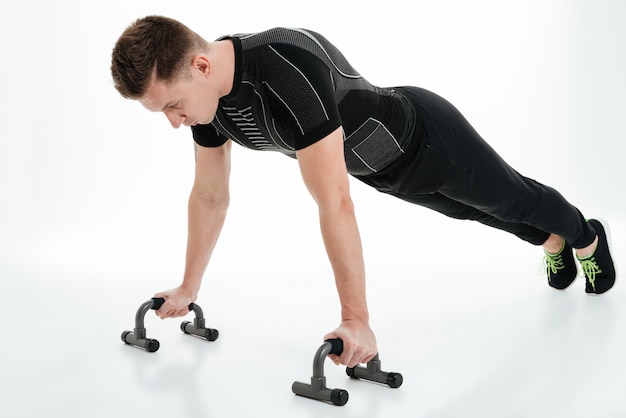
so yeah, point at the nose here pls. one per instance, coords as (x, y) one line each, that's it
(175, 119)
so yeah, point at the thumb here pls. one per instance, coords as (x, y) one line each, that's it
(331, 336)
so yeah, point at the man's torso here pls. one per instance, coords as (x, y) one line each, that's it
(292, 88)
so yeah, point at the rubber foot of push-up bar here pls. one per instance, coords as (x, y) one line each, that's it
(137, 337)
(317, 388)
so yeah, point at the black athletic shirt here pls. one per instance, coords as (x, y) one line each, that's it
(292, 87)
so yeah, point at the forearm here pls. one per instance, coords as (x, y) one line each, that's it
(205, 220)
(343, 245)
(324, 172)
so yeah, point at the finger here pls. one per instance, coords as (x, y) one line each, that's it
(368, 358)
(360, 357)
(173, 313)
(334, 358)
(163, 311)
(182, 312)
(166, 311)
(354, 361)
(346, 356)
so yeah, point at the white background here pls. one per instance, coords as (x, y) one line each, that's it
(93, 221)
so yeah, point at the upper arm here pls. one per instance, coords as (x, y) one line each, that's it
(323, 169)
(212, 172)
(303, 89)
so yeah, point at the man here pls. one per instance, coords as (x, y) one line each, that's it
(292, 91)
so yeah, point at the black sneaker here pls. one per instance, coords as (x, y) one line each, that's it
(598, 267)
(561, 267)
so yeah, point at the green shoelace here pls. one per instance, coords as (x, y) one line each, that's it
(590, 269)
(554, 263)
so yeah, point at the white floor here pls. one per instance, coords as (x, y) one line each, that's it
(92, 223)
(470, 339)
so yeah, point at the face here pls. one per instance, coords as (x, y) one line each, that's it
(189, 101)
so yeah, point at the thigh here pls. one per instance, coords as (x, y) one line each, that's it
(467, 169)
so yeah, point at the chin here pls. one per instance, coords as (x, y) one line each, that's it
(208, 119)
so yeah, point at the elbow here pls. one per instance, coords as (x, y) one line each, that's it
(217, 202)
(346, 205)
(342, 206)
(221, 204)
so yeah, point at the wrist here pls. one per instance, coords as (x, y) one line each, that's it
(361, 316)
(189, 290)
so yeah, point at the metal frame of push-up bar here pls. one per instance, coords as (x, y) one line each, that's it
(317, 388)
(138, 338)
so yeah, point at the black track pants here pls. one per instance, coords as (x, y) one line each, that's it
(452, 170)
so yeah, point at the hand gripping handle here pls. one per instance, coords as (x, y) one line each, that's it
(197, 327)
(371, 371)
(158, 302)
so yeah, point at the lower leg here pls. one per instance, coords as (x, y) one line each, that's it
(554, 244)
(588, 250)
(560, 265)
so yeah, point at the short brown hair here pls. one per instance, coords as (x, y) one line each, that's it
(152, 44)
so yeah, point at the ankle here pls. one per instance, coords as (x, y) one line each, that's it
(554, 245)
(588, 250)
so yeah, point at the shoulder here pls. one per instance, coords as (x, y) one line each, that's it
(300, 37)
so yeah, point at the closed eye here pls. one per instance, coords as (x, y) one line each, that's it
(173, 106)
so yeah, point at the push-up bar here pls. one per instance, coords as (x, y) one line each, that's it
(138, 338)
(317, 388)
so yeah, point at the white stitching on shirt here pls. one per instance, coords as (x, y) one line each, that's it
(305, 78)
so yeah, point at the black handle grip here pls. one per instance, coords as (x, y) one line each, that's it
(336, 345)
(158, 302)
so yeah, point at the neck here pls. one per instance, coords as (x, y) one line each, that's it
(224, 65)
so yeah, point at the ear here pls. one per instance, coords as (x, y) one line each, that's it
(201, 63)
